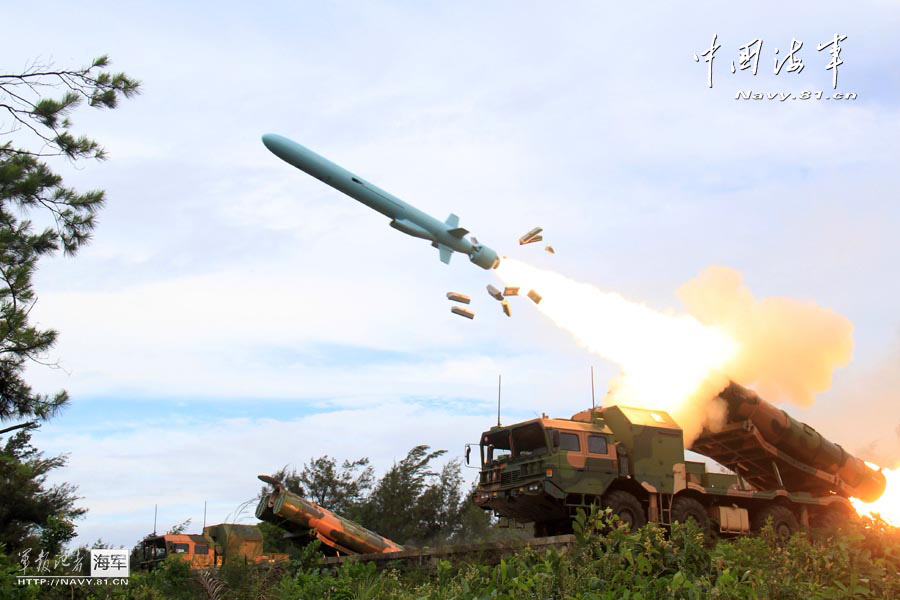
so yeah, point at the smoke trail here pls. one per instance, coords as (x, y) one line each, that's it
(786, 350)
(668, 361)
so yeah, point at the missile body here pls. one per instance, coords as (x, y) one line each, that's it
(852, 477)
(446, 236)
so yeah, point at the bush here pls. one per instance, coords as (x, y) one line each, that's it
(607, 562)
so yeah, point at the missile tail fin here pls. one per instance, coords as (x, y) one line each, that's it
(458, 232)
(453, 227)
(446, 253)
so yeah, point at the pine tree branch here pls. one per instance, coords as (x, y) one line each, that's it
(28, 424)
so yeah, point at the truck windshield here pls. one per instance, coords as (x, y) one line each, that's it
(496, 444)
(154, 550)
(529, 440)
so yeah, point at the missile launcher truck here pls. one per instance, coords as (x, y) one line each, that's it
(632, 460)
(211, 549)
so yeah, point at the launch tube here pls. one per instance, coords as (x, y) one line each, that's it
(803, 443)
(332, 528)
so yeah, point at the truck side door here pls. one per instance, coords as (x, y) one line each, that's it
(600, 465)
(572, 459)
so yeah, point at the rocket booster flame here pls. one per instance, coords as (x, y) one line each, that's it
(668, 361)
(888, 506)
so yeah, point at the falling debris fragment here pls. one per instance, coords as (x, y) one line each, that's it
(506, 310)
(458, 297)
(535, 297)
(510, 291)
(494, 292)
(462, 312)
(550, 249)
(531, 237)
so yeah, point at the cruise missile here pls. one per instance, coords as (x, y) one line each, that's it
(447, 236)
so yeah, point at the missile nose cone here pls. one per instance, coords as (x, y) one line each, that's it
(275, 143)
(268, 479)
(292, 153)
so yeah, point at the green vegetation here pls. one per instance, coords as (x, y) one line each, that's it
(36, 129)
(606, 562)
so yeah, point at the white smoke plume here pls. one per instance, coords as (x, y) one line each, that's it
(784, 349)
(788, 350)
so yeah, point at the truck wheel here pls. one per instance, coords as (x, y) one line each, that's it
(830, 519)
(783, 520)
(550, 528)
(684, 509)
(626, 507)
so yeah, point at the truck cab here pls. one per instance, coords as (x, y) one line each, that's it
(193, 549)
(543, 470)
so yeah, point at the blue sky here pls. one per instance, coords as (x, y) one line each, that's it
(234, 315)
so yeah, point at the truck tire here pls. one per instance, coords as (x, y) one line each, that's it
(626, 507)
(551, 528)
(784, 522)
(684, 509)
(830, 519)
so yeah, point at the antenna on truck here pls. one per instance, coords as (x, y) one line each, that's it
(593, 402)
(499, 383)
(155, 506)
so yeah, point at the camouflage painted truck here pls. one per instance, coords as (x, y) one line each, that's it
(633, 461)
(217, 544)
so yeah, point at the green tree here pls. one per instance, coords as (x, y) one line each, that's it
(340, 489)
(438, 508)
(413, 504)
(33, 513)
(35, 126)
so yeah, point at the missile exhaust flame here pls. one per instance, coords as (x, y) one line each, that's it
(668, 361)
(888, 505)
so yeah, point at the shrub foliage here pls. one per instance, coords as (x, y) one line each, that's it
(606, 562)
